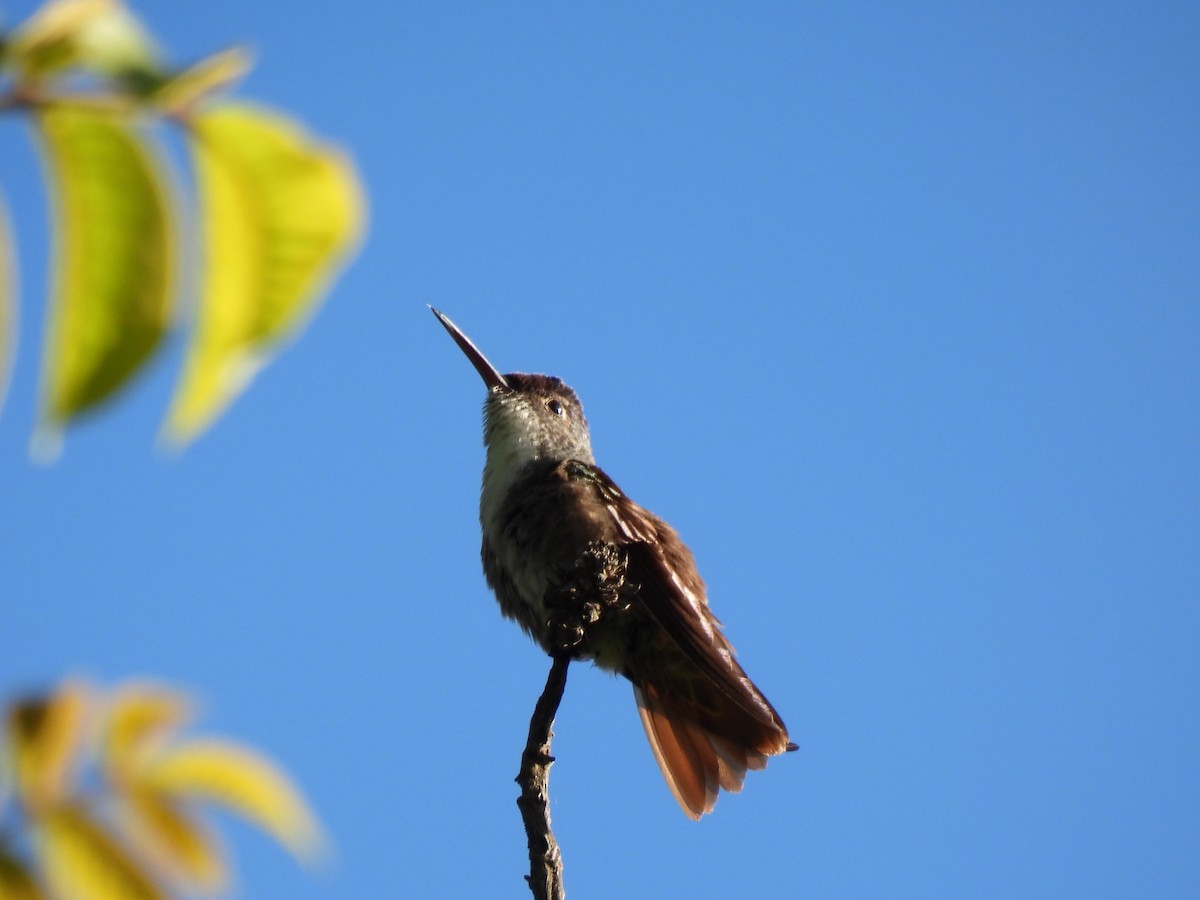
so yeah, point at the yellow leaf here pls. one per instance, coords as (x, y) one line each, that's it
(114, 262)
(81, 861)
(8, 309)
(242, 781)
(140, 717)
(48, 735)
(280, 212)
(16, 882)
(181, 849)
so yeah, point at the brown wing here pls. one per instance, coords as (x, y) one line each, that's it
(673, 593)
(706, 721)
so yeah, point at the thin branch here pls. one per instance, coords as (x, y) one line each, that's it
(28, 98)
(17, 97)
(545, 861)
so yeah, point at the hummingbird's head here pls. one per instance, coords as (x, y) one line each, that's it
(536, 417)
(526, 417)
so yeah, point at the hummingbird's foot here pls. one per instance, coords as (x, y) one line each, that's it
(597, 589)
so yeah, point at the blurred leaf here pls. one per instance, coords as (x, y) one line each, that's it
(179, 92)
(16, 882)
(8, 308)
(242, 781)
(116, 44)
(180, 849)
(140, 717)
(114, 261)
(7, 763)
(48, 40)
(101, 35)
(279, 213)
(47, 737)
(82, 862)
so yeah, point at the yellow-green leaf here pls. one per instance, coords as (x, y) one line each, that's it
(100, 35)
(47, 736)
(279, 213)
(140, 717)
(179, 848)
(242, 781)
(81, 861)
(6, 770)
(115, 43)
(16, 882)
(181, 91)
(49, 39)
(114, 260)
(8, 308)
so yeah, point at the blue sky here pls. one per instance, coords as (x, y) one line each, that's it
(890, 309)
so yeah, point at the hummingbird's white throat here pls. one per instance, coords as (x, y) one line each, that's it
(519, 430)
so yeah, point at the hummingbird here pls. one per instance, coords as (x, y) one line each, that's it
(588, 573)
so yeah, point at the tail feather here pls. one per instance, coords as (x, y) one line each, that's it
(735, 761)
(696, 760)
(688, 762)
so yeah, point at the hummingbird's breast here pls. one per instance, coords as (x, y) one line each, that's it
(533, 538)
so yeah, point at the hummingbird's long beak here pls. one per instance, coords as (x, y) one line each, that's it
(486, 370)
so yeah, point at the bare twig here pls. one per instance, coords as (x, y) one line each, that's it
(30, 97)
(545, 861)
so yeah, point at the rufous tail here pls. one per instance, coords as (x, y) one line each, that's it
(705, 741)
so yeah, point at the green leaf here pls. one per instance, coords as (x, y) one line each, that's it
(8, 308)
(280, 212)
(114, 260)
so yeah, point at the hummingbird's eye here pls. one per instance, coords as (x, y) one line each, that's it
(555, 407)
